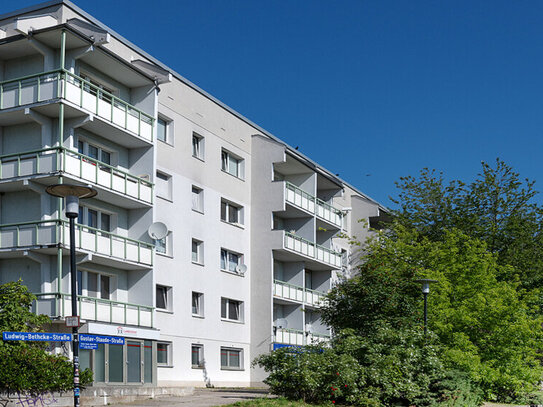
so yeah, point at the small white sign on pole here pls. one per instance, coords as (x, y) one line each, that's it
(72, 322)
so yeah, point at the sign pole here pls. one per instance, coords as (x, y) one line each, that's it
(73, 275)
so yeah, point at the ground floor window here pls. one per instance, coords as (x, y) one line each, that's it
(231, 358)
(120, 364)
(197, 355)
(163, 352)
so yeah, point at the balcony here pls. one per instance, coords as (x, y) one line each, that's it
(298, 338)
(110, 249)
(295, 293)
(57, 305)
(301, 199)
(86, 169)
(312, 250)
(64, 84)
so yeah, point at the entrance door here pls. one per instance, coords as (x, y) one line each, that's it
(133, 361)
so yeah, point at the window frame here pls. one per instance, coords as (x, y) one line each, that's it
(201, 358)
(168, 298)
(228, 253)
(199, 252)
(168, 362)
(84, 210)
(228, 351)
(226, 158)
(166, 243)
(164, 177)
(240, 310)
(229, 207)
(83, 286)
(200, 195)
(200, 304)
(200, 153)
(168, 129)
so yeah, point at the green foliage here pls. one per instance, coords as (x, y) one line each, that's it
(486, 327)
(27, 366)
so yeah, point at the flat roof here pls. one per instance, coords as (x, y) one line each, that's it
(178, 76)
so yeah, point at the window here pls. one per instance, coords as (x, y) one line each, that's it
(231, 358)
(197, 304)
(98, 285)
(231, 213)
(231, 310)
(164, 245)
(232, 164)
(164, 185)
(163, 352)
(197, 146)
(230, 261)
(197, 251)
(197, 199)
(163, 297)
(95, 87)
(95, 219)
(197, 354)
(94, 151)
(162, 129)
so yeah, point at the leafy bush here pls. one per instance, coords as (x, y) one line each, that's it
(27, 366)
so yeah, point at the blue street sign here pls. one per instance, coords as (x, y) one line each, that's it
(36, 336)
(97, 339)
(284, 345)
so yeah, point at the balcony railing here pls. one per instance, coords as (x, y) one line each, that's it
(61, 83)
(307, 248)
(298, 197)
(94, 309)
(289, 336)
(53, 232)
(313, 338)
(296, 293)
(55, 159)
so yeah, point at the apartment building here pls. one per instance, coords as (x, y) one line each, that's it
(251, 226)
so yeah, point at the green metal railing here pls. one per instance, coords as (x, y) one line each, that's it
(297, 196)
(10, 234)
(284, 290)
(313, 250)
(62, 308)
(98, 234)
(316, 296)
(41, 161)
(54, 84)
(289, 336)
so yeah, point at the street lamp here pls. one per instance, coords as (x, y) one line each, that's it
(72, 194)
(425, 291)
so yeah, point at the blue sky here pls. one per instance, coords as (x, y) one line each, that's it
(372, 90)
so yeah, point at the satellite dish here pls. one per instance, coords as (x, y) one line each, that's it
(157, 231)
(241, 269)
(281, 323)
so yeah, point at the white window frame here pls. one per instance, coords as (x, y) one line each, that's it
(228, 159)
(199, 252)
(240, 306)
(168, 129)
(199, 193)
(86, 144)
(164, 246)
(102, 85)
(168, 299)
(99, 213)
(201, 358)
(169, 180)
(228, 351)
(168, 354)
(198, 146)
(84, 281)
(227, 263)
(199, 304)
(230, 208)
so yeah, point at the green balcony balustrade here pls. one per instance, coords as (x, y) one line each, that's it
(310, 249)
(53, 232)
(298, 197)
(63, 84)
(289, 336)
(292, 292)
(58, 305)
(52, 160)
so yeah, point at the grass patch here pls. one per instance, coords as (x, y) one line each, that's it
(279, 402)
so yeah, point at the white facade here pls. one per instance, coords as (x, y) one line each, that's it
(252, 243)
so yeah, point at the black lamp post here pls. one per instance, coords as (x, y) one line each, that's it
(425, 291)
(71, 195)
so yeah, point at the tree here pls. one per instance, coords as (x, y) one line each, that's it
(27, 366)
(486, 327)
(497, 208)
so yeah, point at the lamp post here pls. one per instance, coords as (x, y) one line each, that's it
(425, 291)
(71, 195)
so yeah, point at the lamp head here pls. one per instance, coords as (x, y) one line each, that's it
(425, 284)
(71, 193)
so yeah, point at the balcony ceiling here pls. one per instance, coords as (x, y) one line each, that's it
(16, 49)
(292, 166)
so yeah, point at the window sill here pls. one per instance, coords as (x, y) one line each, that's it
(165, 366)
(165, 255)
(232, 175)
(198, 316)
(202, 159)
(166, 142)
(233, 273)
(238, 225)
(165, 198)
(232, 321)
(198, 263)
(198, 367)
(198, 211)
(238, 369)
(164, 311)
